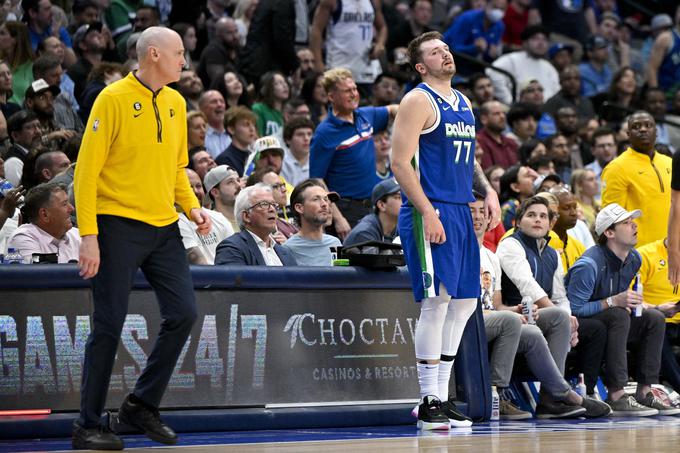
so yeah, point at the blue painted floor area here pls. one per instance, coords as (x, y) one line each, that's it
(382, 432)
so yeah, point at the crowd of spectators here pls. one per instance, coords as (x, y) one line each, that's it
(289, 113)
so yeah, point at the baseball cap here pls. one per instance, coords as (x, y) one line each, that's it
(218, 174)
(559, 47)
(611, 214)
(83, 30)
(38, 86)
(384, 188)
(661, 21)
(268, 143)
(596, 42)
(542, 178)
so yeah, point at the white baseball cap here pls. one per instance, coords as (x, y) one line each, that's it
(218, 174)
(611, 214)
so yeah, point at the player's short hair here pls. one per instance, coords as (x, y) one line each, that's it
(414, 52)
(334, 76)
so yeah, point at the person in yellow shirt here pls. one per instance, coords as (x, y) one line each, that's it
(129, 176)
(658, 291)
(569, 248)
(640, 178)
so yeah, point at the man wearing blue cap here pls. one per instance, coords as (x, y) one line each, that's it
(381, 224)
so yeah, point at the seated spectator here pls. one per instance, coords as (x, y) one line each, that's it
(386, 89)
(658, 292)
(383, 151)
(9, 214)
(523, 120)
(482, 91)
(267, 176)
(508, 329)
(48, 67)
(297, 134)
(532, 274)
(274, 91)
(43, 166)
(417, 22)
(222, 184)
(561, 55)
(201, 247)
(493, 174)
(253, 246)
(498, 149)
(190, 87)
(570, 95)
(200, 161)
(517, 184)
(6, 107)
(527, 64)
(233, 88)
(663, 68)
(654, 101)
(39, 99)
(380, 225)
(619, 100)
(566, 120)
(311, 206)
(25, 134)
(531, 150)
(211, 103)
(558, 151)
(516, 19)
(197, 125)
(596, 74)
(603, 148)
(89, 44)
(478, 32)
(569, 248)
(49, 228)
(240, 123)
(100, 77)
(586, 190)
(531, 92)
(598, 287)
(268, 154)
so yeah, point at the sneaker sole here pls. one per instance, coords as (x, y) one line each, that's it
(605, 414)
(572, 414)
(460, 423)
(516, 417)
(672, 411)
(642, 413)
(433, 426)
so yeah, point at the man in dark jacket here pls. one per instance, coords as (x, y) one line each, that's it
(380, 225)
(255, 210)
(270, 42)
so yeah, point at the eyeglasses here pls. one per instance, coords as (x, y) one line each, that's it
(264, 205)
(278, 186)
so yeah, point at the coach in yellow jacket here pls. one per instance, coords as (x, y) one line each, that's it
(640, 178)
(129, 176)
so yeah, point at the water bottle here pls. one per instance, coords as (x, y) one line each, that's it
(6, 186)
(13, 257)
(637, 287)
(581, 385)
(528, 309)
(495, 404)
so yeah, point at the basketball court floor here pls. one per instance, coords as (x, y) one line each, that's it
(611, 435)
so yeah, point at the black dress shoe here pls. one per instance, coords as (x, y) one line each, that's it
(147, 421)
(97, 438)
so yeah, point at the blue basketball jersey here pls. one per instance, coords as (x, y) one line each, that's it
(444, 160)
(669, 72)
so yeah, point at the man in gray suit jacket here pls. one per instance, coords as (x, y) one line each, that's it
(255, 210)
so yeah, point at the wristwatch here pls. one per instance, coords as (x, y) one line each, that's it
(610, 302)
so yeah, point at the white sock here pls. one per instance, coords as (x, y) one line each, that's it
(443, 377)
(427, 378)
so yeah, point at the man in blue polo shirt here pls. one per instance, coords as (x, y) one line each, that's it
(38, 18)
(342, 150)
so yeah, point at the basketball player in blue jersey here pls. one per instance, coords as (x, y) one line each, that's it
(433, 156)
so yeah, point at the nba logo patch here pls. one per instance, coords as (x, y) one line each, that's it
(95, 125)
(427, 280)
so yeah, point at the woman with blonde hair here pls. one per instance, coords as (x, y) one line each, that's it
(585, 188)
(197, 124)
(16, 50)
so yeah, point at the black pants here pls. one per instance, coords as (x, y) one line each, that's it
(592, 340)
(126, 245)
(670, 369)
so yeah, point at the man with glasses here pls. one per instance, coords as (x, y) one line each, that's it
(284, 229)
(311, 204)
(254, 245)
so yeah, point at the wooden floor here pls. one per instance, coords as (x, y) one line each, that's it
(653, 435)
